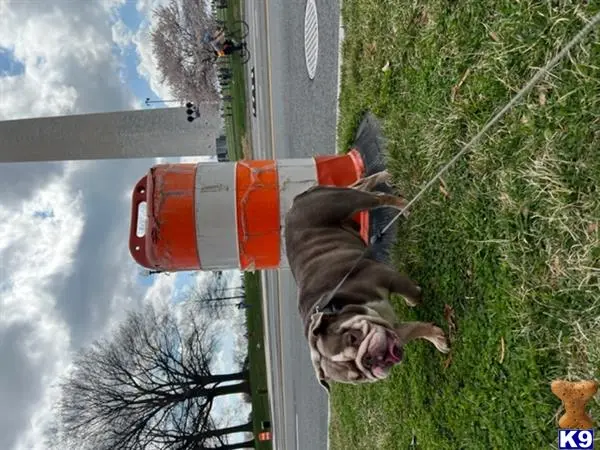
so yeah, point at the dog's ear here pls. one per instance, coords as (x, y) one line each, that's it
(315, 327)
(318, 321)
(325, 385)
(322, 378)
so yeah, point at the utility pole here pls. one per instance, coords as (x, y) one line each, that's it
(156, 132)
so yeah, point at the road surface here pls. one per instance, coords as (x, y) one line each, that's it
(296, 118)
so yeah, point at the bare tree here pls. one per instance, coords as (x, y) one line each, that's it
(225, 422)
(246, 444)
(179, 52)
(148, 386)
(240, 352)
(215, 297)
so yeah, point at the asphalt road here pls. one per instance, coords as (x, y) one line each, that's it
(296, 118)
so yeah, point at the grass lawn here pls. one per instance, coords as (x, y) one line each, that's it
(256, 356)
(510, 240)
(235, 125)
(235, 129)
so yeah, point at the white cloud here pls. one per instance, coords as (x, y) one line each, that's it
(161, 291)
(47, 229)
(145, 7)
(122, 35)
(67, 51)
(38, 243)
(42, 416)
(147, 67)
(112, 5)
(66, 278)
(65, 273)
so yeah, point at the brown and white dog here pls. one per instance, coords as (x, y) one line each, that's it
(354, 336)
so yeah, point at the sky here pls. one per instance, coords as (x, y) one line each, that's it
(66, 276)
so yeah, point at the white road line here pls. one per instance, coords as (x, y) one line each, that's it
(311, 38)
(273, 155)
(297, 434)
(255, 49)
(260, 100)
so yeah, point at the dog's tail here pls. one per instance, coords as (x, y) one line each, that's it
(370, 143)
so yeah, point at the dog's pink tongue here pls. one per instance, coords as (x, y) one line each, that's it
(393, 355)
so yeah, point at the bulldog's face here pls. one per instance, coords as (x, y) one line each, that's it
(355, 345)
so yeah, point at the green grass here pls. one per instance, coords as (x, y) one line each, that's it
(256, 357)
(235, 130)
(514, 248)
(235, 125)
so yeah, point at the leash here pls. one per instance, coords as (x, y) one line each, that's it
(324, 303)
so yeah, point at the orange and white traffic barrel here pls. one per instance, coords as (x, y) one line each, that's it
(227, 215)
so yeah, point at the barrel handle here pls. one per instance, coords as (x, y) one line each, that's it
(137, 244)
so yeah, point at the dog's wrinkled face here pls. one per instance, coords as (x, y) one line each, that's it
(355, 345)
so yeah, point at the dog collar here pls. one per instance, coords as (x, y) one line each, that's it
(326, 305)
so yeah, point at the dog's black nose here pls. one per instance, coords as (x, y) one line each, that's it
(368, 361)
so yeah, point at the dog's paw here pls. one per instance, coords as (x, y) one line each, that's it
(416, 299)
(412, 302)
(406, 212)
(385, 177)
(438, 338)
(401, 203)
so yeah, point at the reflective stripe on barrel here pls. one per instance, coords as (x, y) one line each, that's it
(216, 228)
(295, 177)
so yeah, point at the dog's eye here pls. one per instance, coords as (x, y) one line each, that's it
(352, 337)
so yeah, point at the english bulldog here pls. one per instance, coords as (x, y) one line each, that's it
(354, 336)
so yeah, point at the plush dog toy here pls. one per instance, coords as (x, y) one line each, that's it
(575, 396)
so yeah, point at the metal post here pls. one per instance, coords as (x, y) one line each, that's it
(156, 132)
